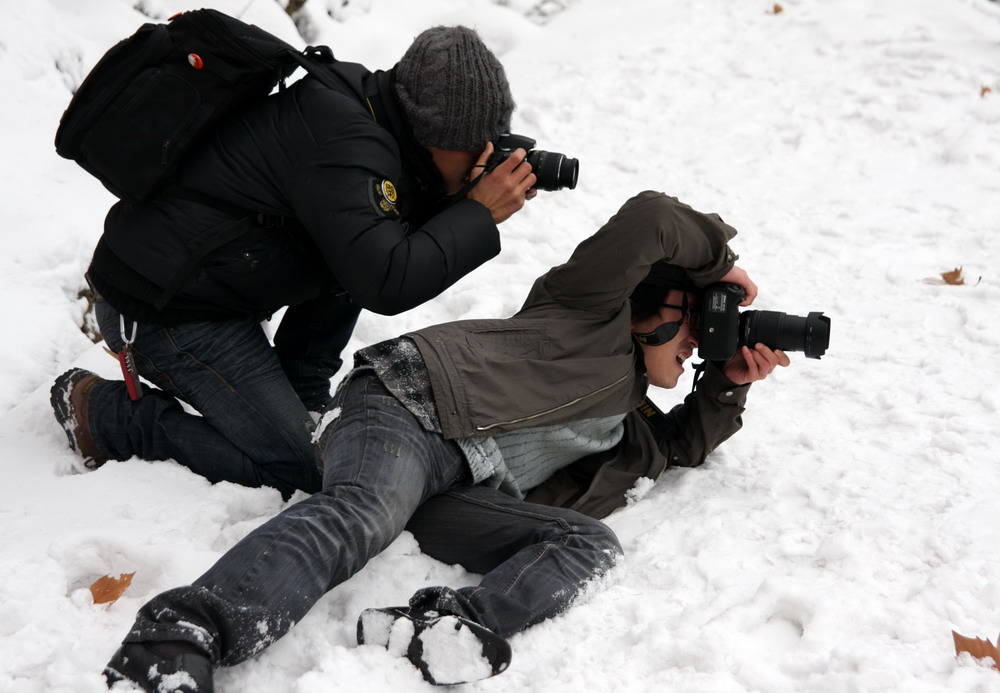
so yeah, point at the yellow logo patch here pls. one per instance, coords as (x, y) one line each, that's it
(383, 196)
(389, 192)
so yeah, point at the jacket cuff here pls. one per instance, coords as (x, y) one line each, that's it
(714, 385)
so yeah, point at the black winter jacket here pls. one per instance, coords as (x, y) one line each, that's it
(352, 205)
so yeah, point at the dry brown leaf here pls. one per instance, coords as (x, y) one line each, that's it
(980, 649)
(954, 277)
(984, 90)
(777, 9)
(107, 589)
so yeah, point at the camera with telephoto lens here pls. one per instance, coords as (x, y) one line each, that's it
(553, 170)
(724, 328)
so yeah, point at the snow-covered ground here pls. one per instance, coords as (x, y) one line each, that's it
(832, 546)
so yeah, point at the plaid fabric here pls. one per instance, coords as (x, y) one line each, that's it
(535, 453)
(399, 365)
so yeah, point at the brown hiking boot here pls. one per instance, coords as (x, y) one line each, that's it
(68, 397)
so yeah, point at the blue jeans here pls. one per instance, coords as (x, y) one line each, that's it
(380, 465)
(253, 430)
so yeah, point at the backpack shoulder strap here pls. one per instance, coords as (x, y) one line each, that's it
(316, 61)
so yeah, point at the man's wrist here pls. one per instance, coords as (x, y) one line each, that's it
(715, 385)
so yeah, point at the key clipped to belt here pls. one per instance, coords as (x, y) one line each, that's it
(126, 359)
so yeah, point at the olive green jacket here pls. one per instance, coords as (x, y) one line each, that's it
(569, 355)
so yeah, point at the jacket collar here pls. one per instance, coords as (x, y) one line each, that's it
(381, 96)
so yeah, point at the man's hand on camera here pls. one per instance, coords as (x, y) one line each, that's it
(738, 275)
(751, 365)
(503, 190)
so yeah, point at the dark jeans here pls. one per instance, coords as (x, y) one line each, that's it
(380, 465)
(534, 558)
(254, 427)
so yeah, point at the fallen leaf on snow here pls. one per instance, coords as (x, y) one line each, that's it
(953, 277)
(980, 649)
(107, 589)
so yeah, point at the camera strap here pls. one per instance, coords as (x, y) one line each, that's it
(665, 427)
(661, 335)
(470, 185)
(651, 414)
(699, 370)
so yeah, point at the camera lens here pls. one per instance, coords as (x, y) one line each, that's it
(554, 171)
(777, 330)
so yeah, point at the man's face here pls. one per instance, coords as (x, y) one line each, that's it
(453, 166)
(665, 363)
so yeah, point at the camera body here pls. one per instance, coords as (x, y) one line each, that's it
(720, 322)
(724, 328)
(553, 170)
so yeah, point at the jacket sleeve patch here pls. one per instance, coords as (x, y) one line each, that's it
(383, 197)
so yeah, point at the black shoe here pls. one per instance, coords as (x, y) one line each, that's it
(137, 664)
(68, 398)
(447, 649)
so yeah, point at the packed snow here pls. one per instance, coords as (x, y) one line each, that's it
(832, 546)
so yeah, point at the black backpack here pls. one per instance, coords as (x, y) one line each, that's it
(155, 94)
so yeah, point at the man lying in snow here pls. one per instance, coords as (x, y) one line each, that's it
(451, 431)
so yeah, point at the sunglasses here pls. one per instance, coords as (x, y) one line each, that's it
(668, 330)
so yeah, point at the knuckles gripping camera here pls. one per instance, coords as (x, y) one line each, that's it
(553, 170)
(724, 328)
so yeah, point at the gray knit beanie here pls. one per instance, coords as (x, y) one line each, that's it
(453, 90)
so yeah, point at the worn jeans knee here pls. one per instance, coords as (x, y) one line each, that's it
(253, 429)
(534, 559)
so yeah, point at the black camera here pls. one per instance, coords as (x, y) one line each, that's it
(553, 170)
(724, 328)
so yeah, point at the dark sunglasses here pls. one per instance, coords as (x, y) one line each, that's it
(668, 330)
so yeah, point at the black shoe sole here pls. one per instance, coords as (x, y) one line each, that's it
(436, 642)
